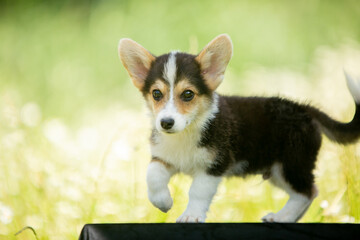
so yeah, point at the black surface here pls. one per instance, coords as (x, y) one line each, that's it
(155, 231)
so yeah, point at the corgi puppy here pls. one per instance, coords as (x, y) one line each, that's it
(209, 136)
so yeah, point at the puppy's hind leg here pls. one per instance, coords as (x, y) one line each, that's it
(298, 202)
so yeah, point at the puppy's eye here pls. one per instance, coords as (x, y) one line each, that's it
(157, 95)
(187, 95)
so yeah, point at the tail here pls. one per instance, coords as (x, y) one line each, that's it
(342, 132)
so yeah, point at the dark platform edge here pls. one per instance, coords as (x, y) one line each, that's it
(224, 231)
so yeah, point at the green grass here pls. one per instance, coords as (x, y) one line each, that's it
(74, 132)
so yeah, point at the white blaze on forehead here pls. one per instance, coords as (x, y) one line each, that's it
(170, 69)
(169, 75)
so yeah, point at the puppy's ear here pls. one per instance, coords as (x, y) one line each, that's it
(213, 60)
(136, 59)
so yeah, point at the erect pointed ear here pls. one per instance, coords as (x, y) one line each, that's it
(136, 59)
(213, 60)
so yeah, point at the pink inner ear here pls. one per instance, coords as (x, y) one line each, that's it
(136, 59)
(214, 58)
(140, 70)
(215, 67)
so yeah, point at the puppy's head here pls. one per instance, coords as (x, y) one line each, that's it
(177, 87)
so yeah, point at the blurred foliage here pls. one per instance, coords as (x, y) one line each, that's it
(66, 50)
(73, 130)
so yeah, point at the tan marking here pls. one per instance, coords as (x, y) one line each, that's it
(195, 107)
(198, 104)
(156, 159)
(156, 106)
(182, 106)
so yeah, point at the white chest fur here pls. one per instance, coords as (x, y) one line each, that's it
(181, 150)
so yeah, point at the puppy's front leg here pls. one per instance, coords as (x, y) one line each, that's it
(158, 176)
(202, 191)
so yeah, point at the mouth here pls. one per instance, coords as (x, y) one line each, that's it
(168, 131)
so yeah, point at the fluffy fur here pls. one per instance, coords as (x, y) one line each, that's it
(210, 136)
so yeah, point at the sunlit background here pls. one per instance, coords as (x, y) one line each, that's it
(74, 131)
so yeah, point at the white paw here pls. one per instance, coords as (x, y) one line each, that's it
(276, 217)
(191, 218)
(161, 199)
(271, 217)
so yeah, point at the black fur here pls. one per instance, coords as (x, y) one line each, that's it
(340, 132)
(187, 67)
(263, 131)
(155, 73)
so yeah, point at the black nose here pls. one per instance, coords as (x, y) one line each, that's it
(167, 123)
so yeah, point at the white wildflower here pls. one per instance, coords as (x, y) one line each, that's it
(324, 204)
(6, 214)
(30, 114)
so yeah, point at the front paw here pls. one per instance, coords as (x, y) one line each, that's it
(271, 217)
(191, 218)
(161, 199)
(278, 218)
